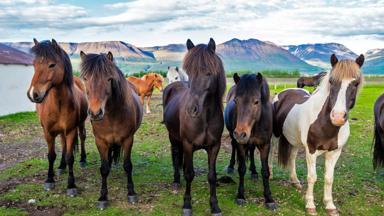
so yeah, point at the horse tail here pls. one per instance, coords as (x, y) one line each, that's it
(284, 151)
(114, 153)
(378, 147)
(76, 142)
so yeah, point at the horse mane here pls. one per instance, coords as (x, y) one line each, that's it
(100, 68)
(248, 81)
(157, 76)
(199, 60)
(46, 50)
(345, 69)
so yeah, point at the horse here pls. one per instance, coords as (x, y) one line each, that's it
(310, 81)
(319, 123)
(248, 118)
(146, 85)
(116, 114)
(249, 151)
(61, 106)
(174, 75)
(378, 139)
(193, 116)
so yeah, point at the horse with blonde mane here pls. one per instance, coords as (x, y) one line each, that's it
(61, 106)
(319, 123)
(146, 85)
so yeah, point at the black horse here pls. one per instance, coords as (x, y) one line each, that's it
(248, 118)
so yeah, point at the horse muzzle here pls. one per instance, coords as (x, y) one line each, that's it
(338, 118)
(36, 97)
(96, 116)
(241, 136)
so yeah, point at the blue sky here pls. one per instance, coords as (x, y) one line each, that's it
(357, 24)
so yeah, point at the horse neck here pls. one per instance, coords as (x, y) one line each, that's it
(117, 103)
(61, 94)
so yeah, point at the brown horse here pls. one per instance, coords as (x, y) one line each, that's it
(248, 118)
(61, 107)
(378, 144)
(146, 85)
(310, 81)
(115, 113)
(193, 115)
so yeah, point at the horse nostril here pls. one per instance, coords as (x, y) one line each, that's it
(35, 95)
(243, 135)
(99, 113)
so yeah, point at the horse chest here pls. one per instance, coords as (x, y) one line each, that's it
(203, 133)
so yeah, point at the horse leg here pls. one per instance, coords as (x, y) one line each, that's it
(50, 182)
(212, 155)
(177, 150)
(252, 166)
(264, 153)
(270, 158)
(63, 164)
(331, 158)
(147, 104)
(292, 168)
(189, 174)
(82, 135)
(70, 138)
(127, 145)
(230, 168)
(104, 171)
(240, 199)
(311, 179)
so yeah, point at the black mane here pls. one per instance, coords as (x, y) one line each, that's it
(249, 81)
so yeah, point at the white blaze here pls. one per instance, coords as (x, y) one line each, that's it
(31, 92)
(341, 101)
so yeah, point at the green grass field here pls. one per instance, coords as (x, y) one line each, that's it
(357, 190)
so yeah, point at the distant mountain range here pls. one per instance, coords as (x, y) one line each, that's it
(237, 55)
(9, 55)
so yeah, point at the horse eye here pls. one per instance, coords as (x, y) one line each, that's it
(176, 78)
(209, 74)
(52, 65)
(235, 100)
(256, 102)
(110, 79)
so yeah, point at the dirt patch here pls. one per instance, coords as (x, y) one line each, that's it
(13, 153)
(33, 210)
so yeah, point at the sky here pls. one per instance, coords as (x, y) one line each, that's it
(357, 24)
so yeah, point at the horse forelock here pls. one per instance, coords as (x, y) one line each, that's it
(345, 69)
(46, 50)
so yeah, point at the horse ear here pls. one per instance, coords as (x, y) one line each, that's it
(212, 45)
(360, 60)
(35, 42)
(190, 45)
(236, 78)
(334, 60)
(259, 78)
(168, 67)
(177, 68)
(110, 56)
(82, 55)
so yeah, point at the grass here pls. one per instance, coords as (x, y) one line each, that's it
(357, 190)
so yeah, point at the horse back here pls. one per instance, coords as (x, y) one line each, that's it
(283, 104)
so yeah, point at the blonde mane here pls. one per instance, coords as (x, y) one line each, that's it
(345, 69)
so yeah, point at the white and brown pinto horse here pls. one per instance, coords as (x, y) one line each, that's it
(319, 123)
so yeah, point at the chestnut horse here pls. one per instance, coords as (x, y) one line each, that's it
(248, 118)
(61, 106)
(116, 114)
(310, 81)
(378, 144)
(146, 85)
(193, 115)
(319, 123)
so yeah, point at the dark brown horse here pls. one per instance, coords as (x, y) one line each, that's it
(193, 115)
(311, 80)
(378, 144)
(61, 106)
(116, 114)
(248, 118)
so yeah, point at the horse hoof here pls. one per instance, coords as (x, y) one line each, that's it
(187, 212)
(72, 192)
(298, 186)
(271, 206)
(311, 211)
(254, 176)
(240, 202)
(217, 214)
(332, 212)
(83, 164)
(60, 172)
(49, 186)
(102, 205)
(132, 199)
(230, 170)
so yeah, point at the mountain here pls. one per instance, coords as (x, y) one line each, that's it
(10, 55)
(253, 54)
(119, 49)
(170, 52)
(374, 61)
(318, 54)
